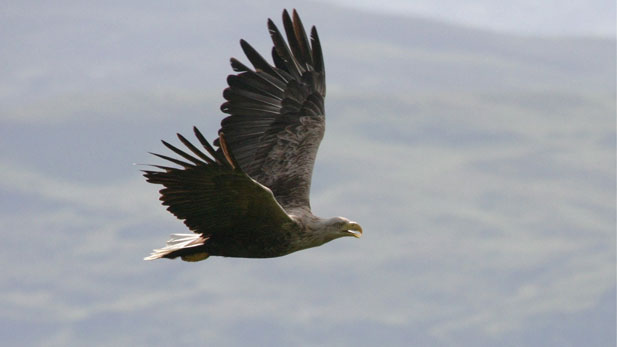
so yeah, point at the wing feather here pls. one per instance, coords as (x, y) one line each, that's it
(277, 117)
(287, 61)
(320, 82)
(260, 63)
(214, 197)
(195, 150)
(296, 36)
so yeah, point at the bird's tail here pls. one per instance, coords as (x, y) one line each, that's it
(178, 245)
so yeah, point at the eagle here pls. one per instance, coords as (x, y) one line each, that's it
(247, 194)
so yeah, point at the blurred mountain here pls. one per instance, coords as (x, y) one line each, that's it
(82, 66)
(140, 46)
(481, 165)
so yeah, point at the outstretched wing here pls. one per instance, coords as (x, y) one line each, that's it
(213, 196)
(277, 112)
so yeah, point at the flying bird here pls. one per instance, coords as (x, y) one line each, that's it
(248, 194)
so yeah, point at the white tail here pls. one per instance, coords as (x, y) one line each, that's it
(177, 242)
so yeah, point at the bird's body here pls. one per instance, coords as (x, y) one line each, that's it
(250, 196)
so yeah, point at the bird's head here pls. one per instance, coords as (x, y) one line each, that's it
(319, 231)
(341, 226)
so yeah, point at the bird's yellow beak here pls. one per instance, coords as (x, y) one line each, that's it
(354, 229)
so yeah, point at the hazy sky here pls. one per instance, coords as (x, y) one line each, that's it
(551, 17)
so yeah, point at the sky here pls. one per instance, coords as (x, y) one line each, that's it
(478, 155)
(528, 17)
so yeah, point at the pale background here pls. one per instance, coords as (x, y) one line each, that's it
(475, 143)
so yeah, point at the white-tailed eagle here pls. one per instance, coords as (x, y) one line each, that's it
(248, 194)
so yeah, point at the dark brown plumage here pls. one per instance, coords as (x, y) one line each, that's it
(250, 196)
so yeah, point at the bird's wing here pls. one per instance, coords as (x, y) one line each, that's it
(213, 195)
(277, 117)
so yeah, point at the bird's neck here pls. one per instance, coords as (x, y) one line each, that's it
(313, 231)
